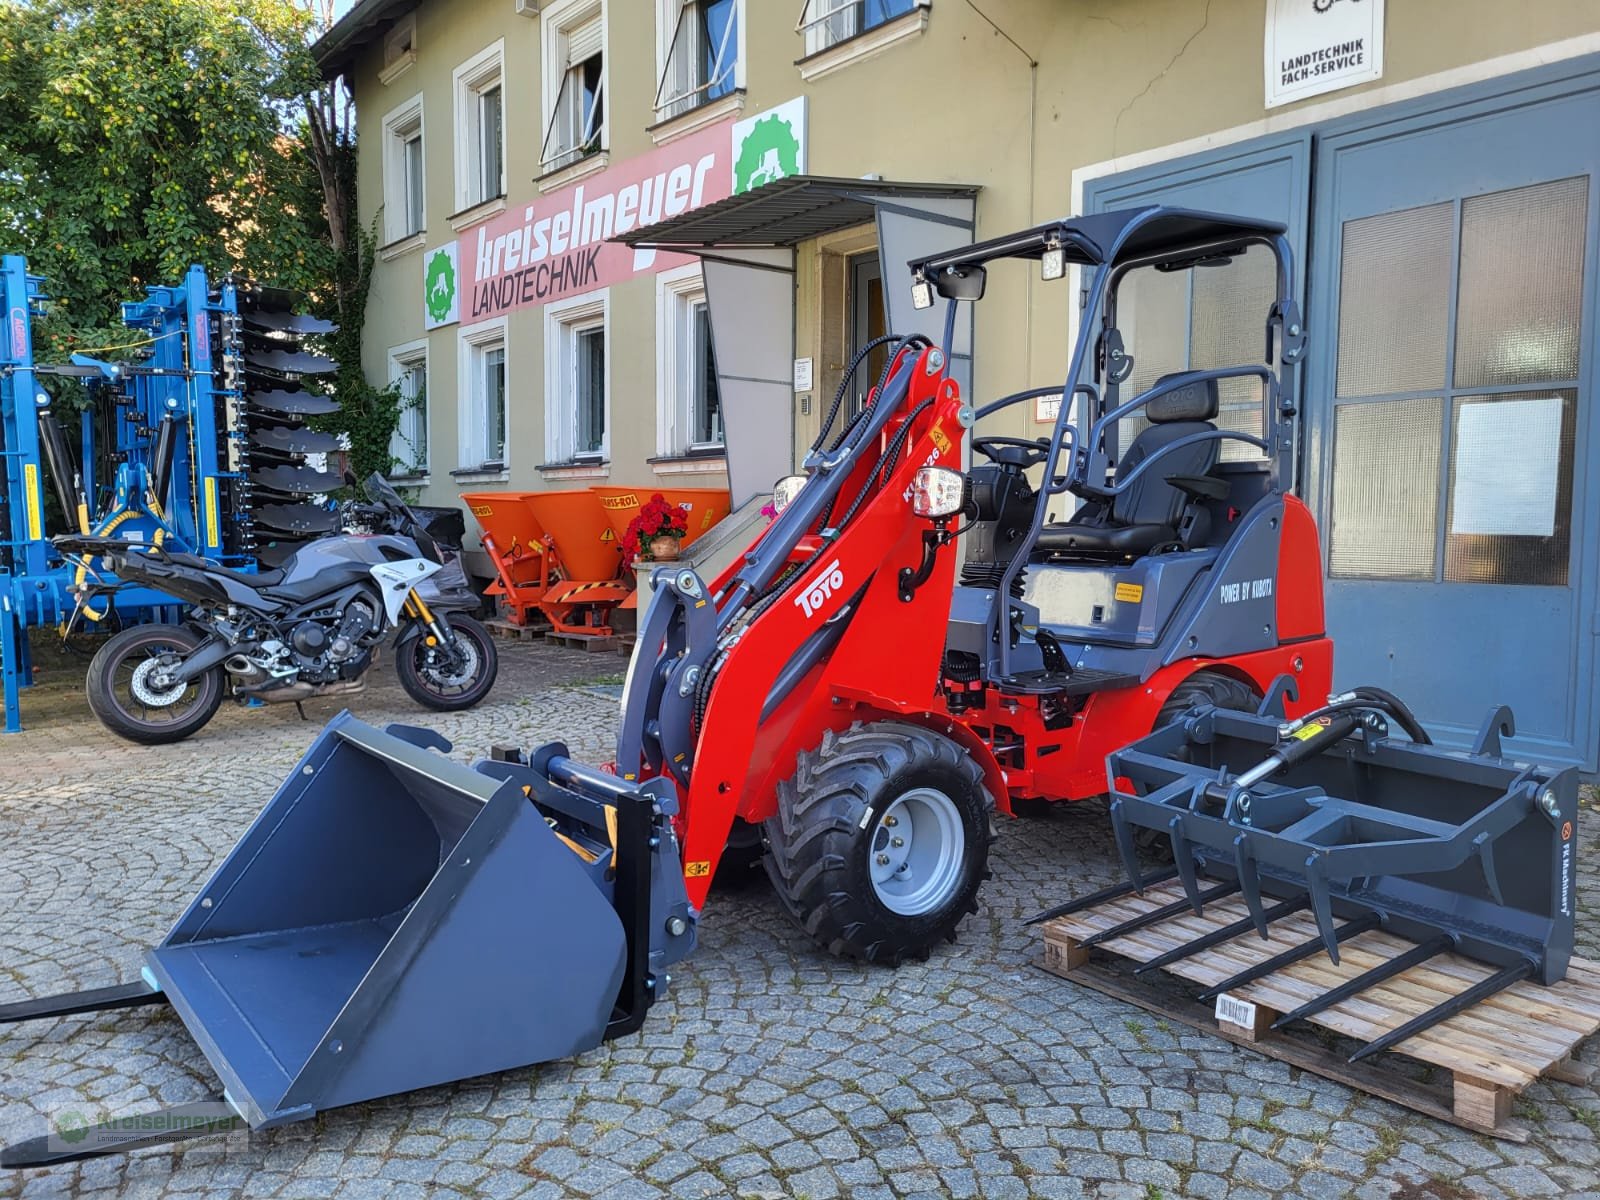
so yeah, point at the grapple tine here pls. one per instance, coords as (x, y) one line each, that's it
(1156, 915)
(1479, 991)
(1491, 877)
(1395, 966)
(1289, 957)
(1113, 892)
(1322, 906)
(1123, 833)
(1218, 936)
(1244, 865)
(1183, 859)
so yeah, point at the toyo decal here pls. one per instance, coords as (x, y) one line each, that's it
(828, 582)
(770, 151)
(440, 285)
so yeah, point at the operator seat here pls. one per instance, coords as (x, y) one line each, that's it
(1145, 516)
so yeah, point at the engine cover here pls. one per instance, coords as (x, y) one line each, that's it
(309, 639)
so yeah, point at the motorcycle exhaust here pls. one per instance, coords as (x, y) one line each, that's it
(307, 691)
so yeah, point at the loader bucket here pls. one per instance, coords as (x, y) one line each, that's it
(395, 919)
(706, 506)
(583, 538)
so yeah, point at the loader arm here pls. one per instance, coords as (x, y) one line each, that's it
(734, 678)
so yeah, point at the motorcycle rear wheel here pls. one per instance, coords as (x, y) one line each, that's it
(430, 679)
(121, 696)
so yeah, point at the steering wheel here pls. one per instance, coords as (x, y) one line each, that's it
(1037, 449)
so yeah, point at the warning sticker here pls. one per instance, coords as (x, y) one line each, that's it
(696, 870)
(30, 486)
(607, 536)
(1132, 593)
(940, 438)
(1306, 732)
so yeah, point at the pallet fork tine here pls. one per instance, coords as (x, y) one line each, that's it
(1225, 933)
(122, 995)
(1418, 954)
(1482, 990)
(176, 1123)
(1114, 892)
(1156, 915)
(1289, 957)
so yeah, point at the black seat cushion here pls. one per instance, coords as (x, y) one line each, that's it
(254, 579)
(1146, 515)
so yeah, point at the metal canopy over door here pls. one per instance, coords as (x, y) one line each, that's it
(1452, 305)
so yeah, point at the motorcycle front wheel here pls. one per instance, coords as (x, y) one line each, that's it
(126, 692)
(438, 680)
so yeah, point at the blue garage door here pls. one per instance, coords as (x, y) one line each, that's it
(1451, 295)
(1452, 308)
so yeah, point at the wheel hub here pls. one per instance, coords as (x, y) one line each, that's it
(459, 673)
(152, 688)
(918, 849)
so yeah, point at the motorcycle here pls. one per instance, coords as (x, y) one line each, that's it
(310, 628)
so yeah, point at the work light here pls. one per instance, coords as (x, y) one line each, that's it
(936, 492)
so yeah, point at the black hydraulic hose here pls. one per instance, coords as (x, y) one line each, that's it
(1397, 709)
(844, 386)
(848, 436)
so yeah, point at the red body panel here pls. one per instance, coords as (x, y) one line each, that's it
(1299, 589)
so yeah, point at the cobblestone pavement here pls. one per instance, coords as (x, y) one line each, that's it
(771, 1070)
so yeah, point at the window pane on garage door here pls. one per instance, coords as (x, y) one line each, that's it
(1394, 301)
(1386, 488)
(1521, 292)
(1511, 525)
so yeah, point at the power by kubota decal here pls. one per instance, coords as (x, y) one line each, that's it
(559, 245)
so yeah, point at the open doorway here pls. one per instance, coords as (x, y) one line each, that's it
(867, 321)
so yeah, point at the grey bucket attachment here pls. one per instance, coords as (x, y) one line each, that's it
(395, 919)
(1465, 852)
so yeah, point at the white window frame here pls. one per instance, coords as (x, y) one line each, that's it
(678, 291)
(563, 320)
(483, 71)
(676, 21)
(399, 123)
(472, 343)
(816, 17)
(557, 19)
(403, 360)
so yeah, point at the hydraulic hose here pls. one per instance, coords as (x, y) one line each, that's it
(844, 386)
(1370, 697)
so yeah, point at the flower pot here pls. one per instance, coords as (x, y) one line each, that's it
(664, 548)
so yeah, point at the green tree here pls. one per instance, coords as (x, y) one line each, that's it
(138, 136)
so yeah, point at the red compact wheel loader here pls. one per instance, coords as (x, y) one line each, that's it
(856, 698)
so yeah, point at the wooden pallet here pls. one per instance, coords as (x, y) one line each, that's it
(501, 628)
(592, 642)
(1492, 1051)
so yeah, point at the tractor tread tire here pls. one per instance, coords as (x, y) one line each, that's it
(819, 843)
(1224, 691)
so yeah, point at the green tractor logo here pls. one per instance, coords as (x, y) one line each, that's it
(770, 151)
(72, 1127)
(440, 286)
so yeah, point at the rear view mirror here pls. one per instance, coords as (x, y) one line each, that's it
(961, 283)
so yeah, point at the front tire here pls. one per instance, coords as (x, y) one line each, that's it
(881, 841)
(434, 682)
(121, 692)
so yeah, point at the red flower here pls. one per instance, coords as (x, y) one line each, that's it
(656, 518)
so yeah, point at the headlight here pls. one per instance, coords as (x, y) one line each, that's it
(786, 489)
(936, 492)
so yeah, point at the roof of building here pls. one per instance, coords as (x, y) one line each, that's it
(787, 211)
(359, 28)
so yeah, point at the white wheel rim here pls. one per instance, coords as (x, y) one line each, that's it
(918, 849)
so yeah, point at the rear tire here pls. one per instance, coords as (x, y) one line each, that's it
(1208, 687)
(429, 682)
(115, 697)
(881, 841)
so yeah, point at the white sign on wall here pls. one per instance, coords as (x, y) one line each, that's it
(1317, 46)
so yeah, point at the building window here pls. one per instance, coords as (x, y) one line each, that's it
(404, 204)
(826, 23)
(483, 397)
(399, 49)
(577, 391)
(408, 375)
(575, 83)
(689, 417)
(480, 128)
(701, 59)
